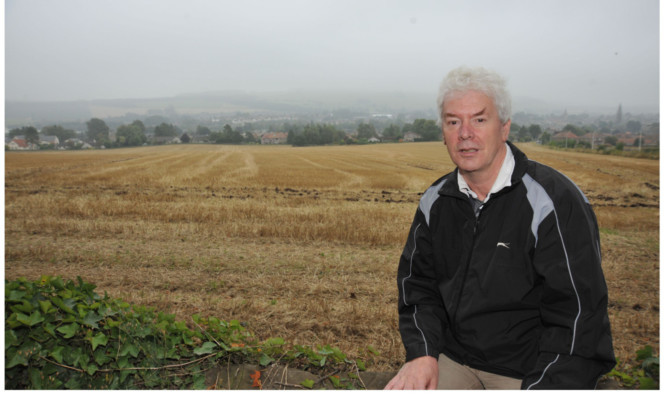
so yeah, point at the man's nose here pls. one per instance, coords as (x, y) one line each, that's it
(466, 131)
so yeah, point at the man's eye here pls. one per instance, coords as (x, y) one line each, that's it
(452, 123)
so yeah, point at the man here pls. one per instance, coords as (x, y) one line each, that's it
(500, 283)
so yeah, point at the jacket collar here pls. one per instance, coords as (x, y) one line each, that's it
(520, 164)
(451, 186)
(504, 178)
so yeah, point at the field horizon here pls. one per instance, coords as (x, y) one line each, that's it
(298, 243)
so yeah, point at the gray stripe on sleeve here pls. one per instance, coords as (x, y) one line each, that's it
(540, 202)
(427, 200)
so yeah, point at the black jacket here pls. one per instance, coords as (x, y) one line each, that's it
(517, 291)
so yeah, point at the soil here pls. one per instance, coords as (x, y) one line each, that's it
(278, 377)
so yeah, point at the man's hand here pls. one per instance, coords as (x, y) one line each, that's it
(419, 373)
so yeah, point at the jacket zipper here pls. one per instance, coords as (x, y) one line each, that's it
(465, 274)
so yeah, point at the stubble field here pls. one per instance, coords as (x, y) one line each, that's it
(298, 243)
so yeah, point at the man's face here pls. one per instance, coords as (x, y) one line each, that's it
(474, 135)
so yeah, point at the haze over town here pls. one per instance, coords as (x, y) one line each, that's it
(558, 55)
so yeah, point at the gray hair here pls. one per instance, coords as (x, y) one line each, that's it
(465, 79)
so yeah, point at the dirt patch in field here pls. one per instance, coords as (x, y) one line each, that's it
(240, 193)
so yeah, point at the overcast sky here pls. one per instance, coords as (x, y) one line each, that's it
(579, 52)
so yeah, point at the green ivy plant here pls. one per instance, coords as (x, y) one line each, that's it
(644, 374)
(62, 334)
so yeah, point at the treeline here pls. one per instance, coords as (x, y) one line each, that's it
(226, 136)
(522, 133)
(134, 134)
(315, 134)
(323, 134)
(98, 134)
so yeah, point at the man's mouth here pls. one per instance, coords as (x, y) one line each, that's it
(468, 150)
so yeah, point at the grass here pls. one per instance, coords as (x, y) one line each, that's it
(300, 243)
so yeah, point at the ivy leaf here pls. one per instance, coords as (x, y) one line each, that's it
(647, 383)
(21, 355)
(186, 338)
(82, 358)
(22, 307)
(205, 349)
(199, 381)
(73, 383)
(129, 348)
(50, 329)
(10, 339)
(91, 319)
(35, 378)
(101, 357)
(68, 330)
(16, 295)
(34, 318)
(99, 339)
(125, 373)
(142, 332)
(123, 362)
(91, 369)
(57, 282)
(45, 306)
(11, 322)
(61, 304)
(265, 360)
(14, 357)
(57, 353)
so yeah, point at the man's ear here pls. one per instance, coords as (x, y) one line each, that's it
(505, 129)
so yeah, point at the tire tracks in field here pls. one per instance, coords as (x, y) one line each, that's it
(249, 168)
(354, 179)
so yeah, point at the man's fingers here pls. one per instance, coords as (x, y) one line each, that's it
(396, 383)
(420, 373)
(399, 383)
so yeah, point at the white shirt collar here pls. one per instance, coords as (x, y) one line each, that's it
(504, 178)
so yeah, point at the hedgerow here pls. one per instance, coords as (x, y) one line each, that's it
(63, 335)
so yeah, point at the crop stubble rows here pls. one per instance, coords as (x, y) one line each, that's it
(300, 243)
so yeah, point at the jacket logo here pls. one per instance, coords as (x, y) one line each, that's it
(504, 245)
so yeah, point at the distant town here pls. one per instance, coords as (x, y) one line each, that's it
(282, 125)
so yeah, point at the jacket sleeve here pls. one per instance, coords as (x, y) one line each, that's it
(575, 346)
(420, 309)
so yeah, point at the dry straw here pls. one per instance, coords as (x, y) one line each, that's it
(301, 243)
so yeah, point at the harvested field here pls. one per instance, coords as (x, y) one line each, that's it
(299, 243)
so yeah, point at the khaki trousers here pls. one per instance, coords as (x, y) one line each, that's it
(452, 375)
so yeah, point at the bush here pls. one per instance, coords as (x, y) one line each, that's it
(61, 334)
